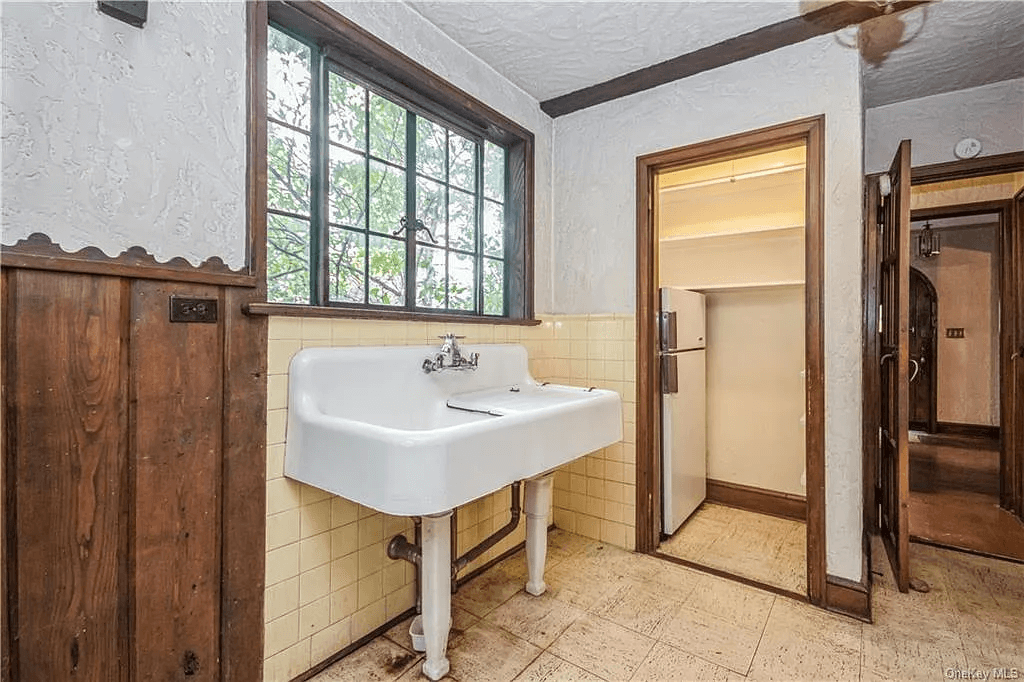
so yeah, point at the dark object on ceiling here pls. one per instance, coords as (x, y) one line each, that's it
(133, 13)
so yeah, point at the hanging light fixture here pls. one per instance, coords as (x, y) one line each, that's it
(928, 242)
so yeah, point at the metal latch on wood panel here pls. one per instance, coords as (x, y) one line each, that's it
(193, 309)
(667, 330)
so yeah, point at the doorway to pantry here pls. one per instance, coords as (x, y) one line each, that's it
(730, 392)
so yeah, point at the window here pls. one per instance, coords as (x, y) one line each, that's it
(378, 198)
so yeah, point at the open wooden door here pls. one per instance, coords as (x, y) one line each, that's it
(1014, 432)
(894, 291)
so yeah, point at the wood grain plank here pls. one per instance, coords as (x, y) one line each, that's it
(176, 440)
(65, 402)
(244, 466)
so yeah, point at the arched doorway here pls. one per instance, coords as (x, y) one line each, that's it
(924, 307)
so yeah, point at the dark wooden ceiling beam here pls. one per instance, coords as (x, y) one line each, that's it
(762, 40)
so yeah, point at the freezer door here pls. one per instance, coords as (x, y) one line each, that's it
(684, 438)
(689, 319)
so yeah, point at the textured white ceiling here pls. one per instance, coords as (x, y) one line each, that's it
(553, 48)
(961, 44)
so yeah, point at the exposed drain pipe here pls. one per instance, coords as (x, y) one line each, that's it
(400, 548)
(495, 537)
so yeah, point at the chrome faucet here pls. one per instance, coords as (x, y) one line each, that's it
(451, 356)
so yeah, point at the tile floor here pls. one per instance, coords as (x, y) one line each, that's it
(614, 615)
(764, 548)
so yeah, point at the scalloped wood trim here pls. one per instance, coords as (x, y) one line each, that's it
(39, 252)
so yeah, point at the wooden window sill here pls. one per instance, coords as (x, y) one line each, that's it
(299, 310)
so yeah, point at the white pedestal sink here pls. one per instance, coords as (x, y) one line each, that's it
(370, 425)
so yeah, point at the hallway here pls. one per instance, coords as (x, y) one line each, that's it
(954, 497)
(614, 615)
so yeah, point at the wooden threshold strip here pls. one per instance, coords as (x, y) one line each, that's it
(760, 41)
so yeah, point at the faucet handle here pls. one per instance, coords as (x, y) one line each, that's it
(450, 336)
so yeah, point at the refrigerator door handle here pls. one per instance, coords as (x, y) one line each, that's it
(667, 330)
(669, 374)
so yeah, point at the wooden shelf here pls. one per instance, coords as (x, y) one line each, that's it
(757, 232)
(712, 288)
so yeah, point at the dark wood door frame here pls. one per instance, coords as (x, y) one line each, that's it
(809, 131)
(956, 170)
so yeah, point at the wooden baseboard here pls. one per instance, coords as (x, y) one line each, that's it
(774, 503)
(974, 430)
(848, 598)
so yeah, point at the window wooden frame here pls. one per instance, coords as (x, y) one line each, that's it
(373, 60)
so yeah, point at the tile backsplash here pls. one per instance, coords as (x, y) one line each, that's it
(329, 581)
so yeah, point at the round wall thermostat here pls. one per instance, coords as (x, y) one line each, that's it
(967, 148)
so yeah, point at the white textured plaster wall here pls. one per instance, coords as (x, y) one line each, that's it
(116, 137)
(595, 224)
(993, 114)
(405, 29)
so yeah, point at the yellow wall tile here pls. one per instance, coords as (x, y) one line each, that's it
(283, 494)
(370, 589)
(282, 528)
(344, 602)
(344, 571)
(367, 619)
(280, 599)
(289, 663)
(282, 563)
(315, 518)
(314, 551)
(281, 633)
(314, 616)
(344, 540)
(314, 584)
(284, 328)
(329, 641)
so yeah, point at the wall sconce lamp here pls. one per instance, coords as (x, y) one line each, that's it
(928, 242)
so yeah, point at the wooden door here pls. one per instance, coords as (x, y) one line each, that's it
(1014, 431)
(894, 290)
(923, 345)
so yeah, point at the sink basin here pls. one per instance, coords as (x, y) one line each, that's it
(368, 424)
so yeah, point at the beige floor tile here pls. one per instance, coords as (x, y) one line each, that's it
(903, 654)
(486, 653)
(538, 620)
(603, 648)
(488, 591)
(379, 661)
(461, 621)
(550, 668)
(562, 545)
(640, 607)
(744, 606)
(582, 581)
(801, 642)
(668, 664)
(756, 546)
(712, 638)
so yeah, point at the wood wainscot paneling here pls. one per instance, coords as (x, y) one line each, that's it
(133, 480)
(771, 502)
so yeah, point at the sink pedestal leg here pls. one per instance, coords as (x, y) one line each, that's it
(436, 581)
(538, 504)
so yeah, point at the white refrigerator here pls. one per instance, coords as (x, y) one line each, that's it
(683, 413)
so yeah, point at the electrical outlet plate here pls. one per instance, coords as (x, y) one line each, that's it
(193, 309)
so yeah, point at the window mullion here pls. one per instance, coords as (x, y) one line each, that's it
(478, 204)
(410, 210)
(319, 183)
(366, 189)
